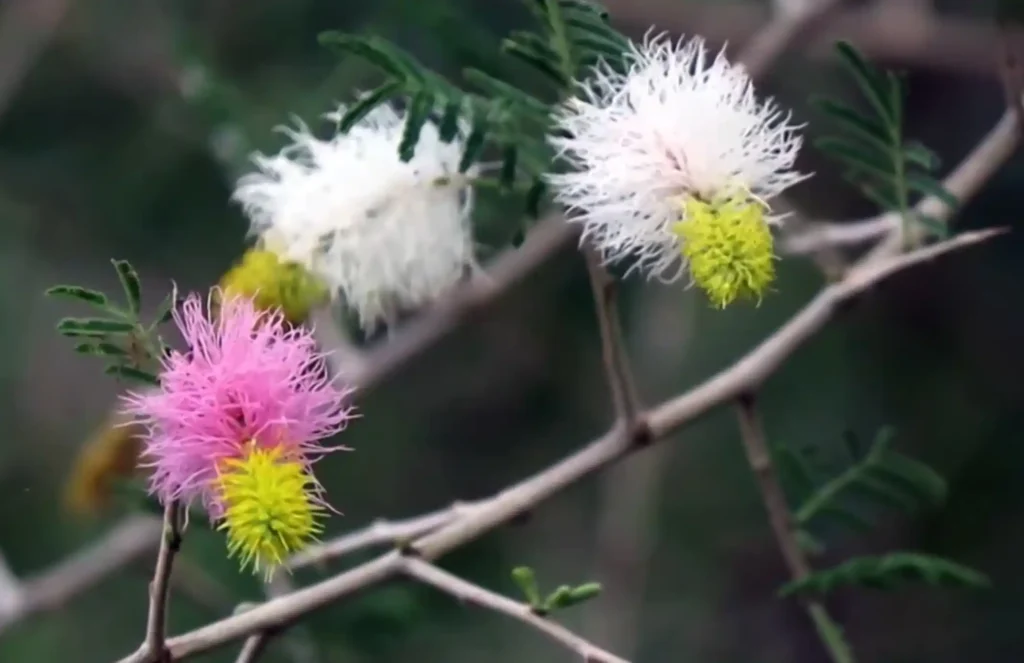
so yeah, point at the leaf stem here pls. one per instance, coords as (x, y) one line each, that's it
(783, 523)
(814, 504)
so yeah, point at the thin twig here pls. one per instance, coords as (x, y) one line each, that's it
(746, 374)
(159, 588)
(784, 28)
(613, 347)
(378, 533)
(626, 531)
(477, 595)
(823, 235)
(11, 593)
(758, 455)
(980, 165)
(253, 648)
(618, 374)
(783, 525)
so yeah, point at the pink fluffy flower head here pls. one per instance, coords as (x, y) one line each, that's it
(248, 376)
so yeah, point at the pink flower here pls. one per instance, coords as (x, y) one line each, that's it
(247, 376)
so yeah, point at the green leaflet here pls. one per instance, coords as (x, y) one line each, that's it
(871, 146)
(889, 572)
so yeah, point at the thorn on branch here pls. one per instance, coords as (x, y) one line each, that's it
(407, 548)
(640, 433)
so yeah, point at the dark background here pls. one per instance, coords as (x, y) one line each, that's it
(123, 126)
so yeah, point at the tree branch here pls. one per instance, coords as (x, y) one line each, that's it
(755, 444)
(613, 348)
(299, 644)
(11, 595)
(758, 455)
(823, 235)
(882, 30)
(745, 375)
(133, 538)
(159, 588)
(253, 648)
(784, 28)
(379, 533)
(751, 371)
(471, 593)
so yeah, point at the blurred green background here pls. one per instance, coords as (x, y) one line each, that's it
(123, 126)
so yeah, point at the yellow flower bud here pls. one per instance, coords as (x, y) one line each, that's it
(111, 453)
(728, 245)
(273, 283)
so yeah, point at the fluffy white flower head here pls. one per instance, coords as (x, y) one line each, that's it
(385, 235)
(680, 134)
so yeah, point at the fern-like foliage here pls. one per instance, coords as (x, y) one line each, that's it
(879, 477)
(117, 333)
(878, 159)
(571, 35)
(889, 572)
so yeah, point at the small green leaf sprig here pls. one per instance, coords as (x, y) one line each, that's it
(882, 478)
(131, 346)
(872, 147)
(564, 596)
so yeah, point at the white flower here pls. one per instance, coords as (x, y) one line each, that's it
(386, 236)
(678, 133)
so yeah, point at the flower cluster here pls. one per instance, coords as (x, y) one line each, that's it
(673, 163)
(237, 423)
(384, 234)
